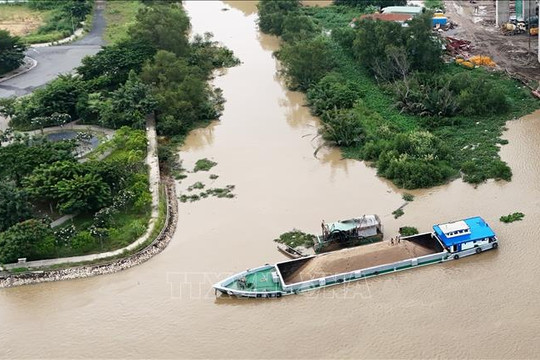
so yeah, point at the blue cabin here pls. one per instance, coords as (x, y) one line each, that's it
(464, 234)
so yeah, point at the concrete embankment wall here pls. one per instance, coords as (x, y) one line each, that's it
(160, 243)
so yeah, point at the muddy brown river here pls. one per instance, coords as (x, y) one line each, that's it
(484, 306)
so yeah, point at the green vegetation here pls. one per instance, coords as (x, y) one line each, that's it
(408, 231)
(40, 179)
(11, 52)
(197, 186)
(61, 21)
(204, 165)
(225, 192)
(398, 212)
(119, 16)
(384, 94)
(296, 238)
(434, 4)
(408, 197)
(155, 69)
(517, 216)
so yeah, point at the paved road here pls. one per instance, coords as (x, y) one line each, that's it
(55, 60)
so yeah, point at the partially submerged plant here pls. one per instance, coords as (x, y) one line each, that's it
(408, 231)
(397, 213)
(204, 165)
(296, 238)
(517, 216)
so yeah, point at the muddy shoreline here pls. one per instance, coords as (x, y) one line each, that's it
(156, 247)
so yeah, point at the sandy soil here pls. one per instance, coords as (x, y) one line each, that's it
(509, 52)
(357, 258)
(19, 20)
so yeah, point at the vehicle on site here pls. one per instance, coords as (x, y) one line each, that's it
(446, 242)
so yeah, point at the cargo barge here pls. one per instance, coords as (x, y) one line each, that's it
(448, 241)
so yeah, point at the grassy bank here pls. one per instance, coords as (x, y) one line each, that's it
(119, 16)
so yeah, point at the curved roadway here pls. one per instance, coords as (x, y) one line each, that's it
(56, 60)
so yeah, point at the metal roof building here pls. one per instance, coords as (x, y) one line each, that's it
(411, 10)
(459, 232)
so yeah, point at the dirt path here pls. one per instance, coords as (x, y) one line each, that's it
(356, 258)
(509, 52)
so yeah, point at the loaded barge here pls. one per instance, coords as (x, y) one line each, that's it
(447, 242)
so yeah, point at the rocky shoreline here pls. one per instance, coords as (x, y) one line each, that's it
(157, 246)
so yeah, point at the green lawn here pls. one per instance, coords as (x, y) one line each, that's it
(119, 15)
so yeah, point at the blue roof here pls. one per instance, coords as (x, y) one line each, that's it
(479, 230)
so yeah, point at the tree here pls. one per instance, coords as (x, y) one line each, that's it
(306, 62)
(83, 193)
(20, 158)
(11, 52)
(129, 105)
(28, 239)
(333, 91)
(272, 14)
(111, 66)
(373, 38)
(424, 49)
(42, 184)
(298, 27)
(181, 92)
(165, 27)
(14, 205)
(59, 97)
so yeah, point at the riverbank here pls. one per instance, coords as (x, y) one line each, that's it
(109, 267)
(419, 128)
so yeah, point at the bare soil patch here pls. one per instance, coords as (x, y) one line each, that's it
(19, 20)
(518, 53)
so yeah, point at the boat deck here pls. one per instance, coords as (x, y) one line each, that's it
(258, 281)
(353, 259)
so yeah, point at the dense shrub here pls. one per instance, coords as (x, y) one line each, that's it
(14, 205)
(206, 54)
(272, 14)
(342, 127)
(415, 160)
(306, 62)
(111, 66)
(479, 95)
(26, 239)
(298, 27)
(51, 105)
(11, 52)
(332, 91)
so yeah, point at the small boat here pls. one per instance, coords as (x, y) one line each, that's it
(446, 242)
(289, 251)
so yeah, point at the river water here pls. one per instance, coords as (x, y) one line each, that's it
(482, 306)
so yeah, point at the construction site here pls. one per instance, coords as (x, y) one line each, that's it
(505, 31)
